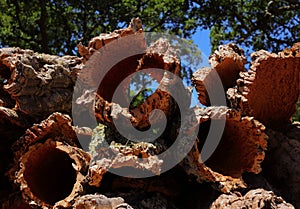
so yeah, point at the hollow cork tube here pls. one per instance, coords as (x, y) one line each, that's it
(241, 149)
(156, 56)
(50, 172)
(49, 166)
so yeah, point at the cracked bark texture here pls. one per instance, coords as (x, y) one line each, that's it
(255, 199)
(43, 80)
(117, 156)
(98, 201)
(282, 160)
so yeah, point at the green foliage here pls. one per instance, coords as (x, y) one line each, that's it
(56, 26)
(296, 116)
(271, 25)
(140, 97)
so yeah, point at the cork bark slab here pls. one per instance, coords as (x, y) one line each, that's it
(96, 43)
(52, 173)
(159, 55)
(241, 149)
(281, 166)
(270, 89)
(228, 61)
(117, 156)
(57, 124)
(49, 166)
(43, 80)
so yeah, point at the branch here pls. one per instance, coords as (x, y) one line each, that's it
(43, 28)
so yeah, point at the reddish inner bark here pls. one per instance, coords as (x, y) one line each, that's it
(115, 76)
(49, 174)
(275, 91)
(234, 154)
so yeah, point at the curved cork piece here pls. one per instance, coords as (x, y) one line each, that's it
(281, 166)
(117, 59)
(52, 173)
(116, 56)
(241, 149)
(57, 124)
(270, 90)
(258, 199)
(48, 165)
(159, 55)
(12, 127)
(135, 27)
(228, 61)
(294, 51)
(43, 80)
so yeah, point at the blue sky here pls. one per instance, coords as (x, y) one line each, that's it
(201, 38)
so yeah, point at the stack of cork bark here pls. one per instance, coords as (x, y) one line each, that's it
(43, 164)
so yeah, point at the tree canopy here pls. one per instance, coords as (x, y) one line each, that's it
(56, 26)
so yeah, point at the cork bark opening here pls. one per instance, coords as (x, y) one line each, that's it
(115, 76)
(49, 174)
(4, 72)
(5, 98)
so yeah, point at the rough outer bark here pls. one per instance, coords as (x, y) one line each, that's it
(43, 80)
(118, 156)
(291, 52)
(228, 61)
(98, 201)
(236, 153)
(32, 86)
(255, 199)
(281, 166)
(141, 199)
(270, 89)
(55, 125)
(5, 74)
(12, 127)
